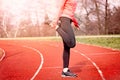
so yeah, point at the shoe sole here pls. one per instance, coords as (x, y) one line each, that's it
(68, 76)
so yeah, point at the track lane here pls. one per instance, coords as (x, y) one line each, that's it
(106, 59)
(17, 63)
(79, 62)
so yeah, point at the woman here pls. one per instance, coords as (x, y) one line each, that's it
(64, 19)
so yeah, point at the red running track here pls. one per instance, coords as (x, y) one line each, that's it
(42, 60)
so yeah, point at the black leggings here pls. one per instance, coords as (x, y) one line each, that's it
(66, 32)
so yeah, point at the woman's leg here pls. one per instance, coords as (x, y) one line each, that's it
(66, 32)
(66, 55)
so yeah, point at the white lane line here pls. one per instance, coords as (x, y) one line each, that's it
(98, 69)
(2, 55)
(40, 66)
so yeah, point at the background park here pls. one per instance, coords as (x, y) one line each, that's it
(20, 19)
(26, 37)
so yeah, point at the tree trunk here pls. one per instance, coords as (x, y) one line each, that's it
(106, 17)
(98, 17)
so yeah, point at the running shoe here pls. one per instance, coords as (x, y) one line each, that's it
(68, 74)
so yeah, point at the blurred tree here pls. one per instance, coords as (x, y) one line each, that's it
(96, 15)
(114, 22)
(106, 17)
(93, 14)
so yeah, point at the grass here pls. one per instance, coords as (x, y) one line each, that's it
(104, 41)
(109, 41)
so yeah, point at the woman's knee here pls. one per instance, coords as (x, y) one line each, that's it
(72, 44)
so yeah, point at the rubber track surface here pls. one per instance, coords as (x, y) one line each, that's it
(24, 58)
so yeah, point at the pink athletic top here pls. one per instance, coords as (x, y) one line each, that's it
(67, 9)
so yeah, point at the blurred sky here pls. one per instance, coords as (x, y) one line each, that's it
(36, 8)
